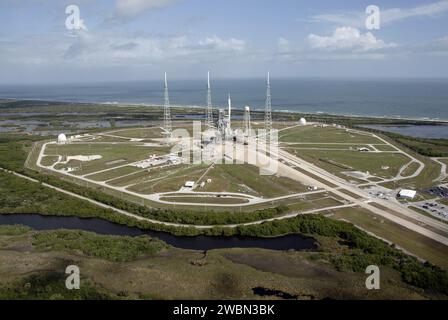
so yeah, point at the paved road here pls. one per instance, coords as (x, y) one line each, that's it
(443, 171)
(365, 203)
(140, 218)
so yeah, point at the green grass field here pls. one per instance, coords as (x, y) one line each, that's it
(173, 180)
(340, 161)
(101, 138)
(326, 146)
(384, 147)
(423, 180)
(309, 204)
(245, 178)
(410, 169)
(146, 174)
(49, 160)
(130, 179)
(324, 135)
(112, 155)
(213, 200)
(114, 173)
(138, 133)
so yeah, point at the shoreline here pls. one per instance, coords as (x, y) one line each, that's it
(258, 110)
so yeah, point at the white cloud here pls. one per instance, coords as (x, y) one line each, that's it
(135, 49)
(428, 10)
(217, 43)
(283, 45)
(348, 38)
(357, 19)
(102, 50)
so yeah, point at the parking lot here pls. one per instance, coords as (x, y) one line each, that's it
(434, 208)
(441, 192)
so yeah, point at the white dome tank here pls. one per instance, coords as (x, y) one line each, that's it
(62, 138)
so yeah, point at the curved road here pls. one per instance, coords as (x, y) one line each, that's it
(140, 218)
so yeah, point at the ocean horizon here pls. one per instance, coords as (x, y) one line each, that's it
(392, 98)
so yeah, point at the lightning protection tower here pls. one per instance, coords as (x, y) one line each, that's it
(268, 109)
(167, 111)
(247, 127)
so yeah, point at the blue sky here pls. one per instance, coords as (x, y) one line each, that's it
(140, 39)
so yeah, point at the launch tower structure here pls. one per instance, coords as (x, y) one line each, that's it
(209, 111)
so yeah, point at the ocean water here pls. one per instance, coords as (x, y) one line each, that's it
(415, 99)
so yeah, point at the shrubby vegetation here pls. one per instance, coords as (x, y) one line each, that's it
(50, 286)
(425, 147)
(113, 248)
(21, 196)
(12, 150)
(13, 230)
(209, 217)
(18, 195)
(365, 249)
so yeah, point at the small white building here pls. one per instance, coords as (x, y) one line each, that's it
(302, 122)
(189, 184)
(407, 194)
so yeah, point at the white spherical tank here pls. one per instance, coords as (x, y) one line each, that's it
(302, 122)
(62, 138)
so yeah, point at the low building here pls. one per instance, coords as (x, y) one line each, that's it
(189, 184)
(407, 194)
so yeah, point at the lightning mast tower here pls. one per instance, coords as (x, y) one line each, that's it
(229, 113)
(247, 126)
(209, 110)
(268, 109)
(167, 111)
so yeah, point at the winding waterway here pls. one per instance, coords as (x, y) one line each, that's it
(39, 222)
